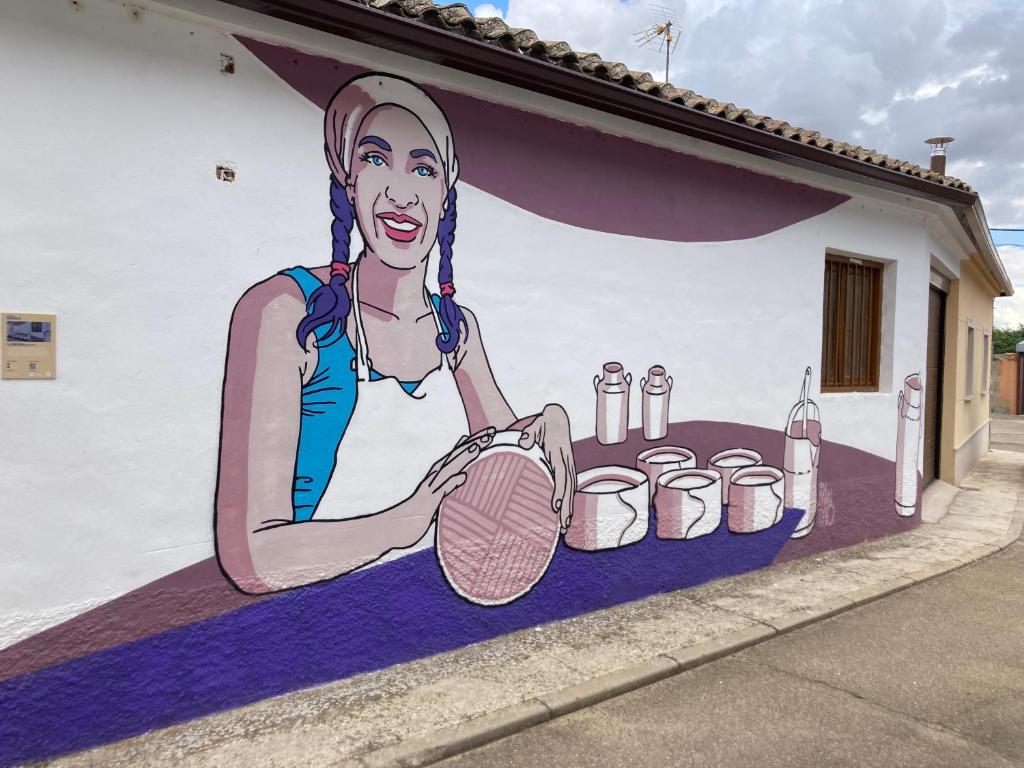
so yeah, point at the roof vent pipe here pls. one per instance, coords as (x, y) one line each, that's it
(939, 144)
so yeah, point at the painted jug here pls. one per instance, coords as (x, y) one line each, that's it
(908, 441)
(802, 454)
(657, 388)
(612, 389)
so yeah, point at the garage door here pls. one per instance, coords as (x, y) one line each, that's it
(933, 382)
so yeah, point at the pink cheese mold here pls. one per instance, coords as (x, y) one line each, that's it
(756, 497)
(496, 533)
(654, 462)
(728, 461)
(688, 503)
(610, 509)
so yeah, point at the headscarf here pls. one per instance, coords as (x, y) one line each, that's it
(355, 100)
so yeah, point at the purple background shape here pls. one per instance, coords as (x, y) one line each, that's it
(582, 176)
(368, 620)
(119, 686)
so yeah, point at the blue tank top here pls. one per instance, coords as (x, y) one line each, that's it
(328, 402)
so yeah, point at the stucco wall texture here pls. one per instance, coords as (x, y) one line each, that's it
(577, 246)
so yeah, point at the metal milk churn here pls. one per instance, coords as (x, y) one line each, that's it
(612, 388)
(657, 388)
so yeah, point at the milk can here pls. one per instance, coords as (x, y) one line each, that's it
(657, 388)
(612, 389)
(908, 441)
(802, 454)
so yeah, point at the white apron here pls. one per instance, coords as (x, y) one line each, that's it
(393, 437)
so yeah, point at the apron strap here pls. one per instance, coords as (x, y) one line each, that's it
(362, 360)
(363, 363)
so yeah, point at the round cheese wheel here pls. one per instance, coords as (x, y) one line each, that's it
(497, 532)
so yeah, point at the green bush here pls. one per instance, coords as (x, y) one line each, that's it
(1006, 339)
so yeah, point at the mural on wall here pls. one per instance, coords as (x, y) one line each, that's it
(373, 475)
(402, 436)
(398, 404)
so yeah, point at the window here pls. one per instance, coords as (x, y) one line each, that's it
(852, 325)
(986, 361)
(969, 368)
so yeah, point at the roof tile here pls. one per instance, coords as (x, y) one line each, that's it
(456, 17)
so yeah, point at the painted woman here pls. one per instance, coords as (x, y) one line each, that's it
(353, 397)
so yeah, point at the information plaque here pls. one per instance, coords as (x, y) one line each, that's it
(29, 346)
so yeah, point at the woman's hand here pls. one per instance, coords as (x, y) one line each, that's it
(411, 518)
(550, 431)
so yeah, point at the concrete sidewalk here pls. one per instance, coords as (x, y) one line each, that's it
(930, 677)
(1007, 432)
(431, 709)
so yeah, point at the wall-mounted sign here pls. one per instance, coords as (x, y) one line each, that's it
(29, 346)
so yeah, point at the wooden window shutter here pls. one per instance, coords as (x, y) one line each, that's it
(852, 325)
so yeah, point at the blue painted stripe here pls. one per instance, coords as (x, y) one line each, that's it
(368, 620)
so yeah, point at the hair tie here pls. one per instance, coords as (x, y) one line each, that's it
(447, 289)
(341, 269)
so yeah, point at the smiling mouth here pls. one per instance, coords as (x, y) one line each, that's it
(400, 227)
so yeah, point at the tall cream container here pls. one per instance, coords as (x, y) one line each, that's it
(908, 442)
(800, 462)
(657, 388)
(612, 388)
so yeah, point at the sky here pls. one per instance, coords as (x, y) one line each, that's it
(880, 73)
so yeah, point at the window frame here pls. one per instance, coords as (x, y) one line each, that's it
(833, 345)
(986, 361)
(970, 350)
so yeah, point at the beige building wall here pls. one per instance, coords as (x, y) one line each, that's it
(966, 401)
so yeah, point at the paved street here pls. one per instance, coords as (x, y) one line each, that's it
(932, 676)
(1007, 432)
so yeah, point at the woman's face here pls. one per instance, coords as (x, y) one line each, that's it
(397, 187)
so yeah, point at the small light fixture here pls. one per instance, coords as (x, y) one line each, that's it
(227, 64)
(226, 173)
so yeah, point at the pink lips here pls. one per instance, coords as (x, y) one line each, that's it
(400, 227)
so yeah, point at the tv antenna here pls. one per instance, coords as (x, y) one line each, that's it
(662, 35)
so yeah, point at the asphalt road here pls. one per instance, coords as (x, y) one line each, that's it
(932, 676)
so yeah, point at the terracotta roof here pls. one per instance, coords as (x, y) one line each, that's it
(455, 17)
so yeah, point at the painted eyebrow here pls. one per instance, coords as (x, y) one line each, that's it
(418, 153)
(377, 141)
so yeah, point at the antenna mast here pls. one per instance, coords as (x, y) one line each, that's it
(660, 36)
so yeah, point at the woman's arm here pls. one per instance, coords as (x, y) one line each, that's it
(486, 405)
(259, 546)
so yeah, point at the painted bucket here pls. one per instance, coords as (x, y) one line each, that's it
(688, 503)
(610, 508)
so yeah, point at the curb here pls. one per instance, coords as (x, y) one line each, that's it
(455, 740)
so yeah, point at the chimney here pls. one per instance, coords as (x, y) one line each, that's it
(939, 144)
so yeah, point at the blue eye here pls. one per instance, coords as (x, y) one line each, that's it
(374, 158)
(425, 171)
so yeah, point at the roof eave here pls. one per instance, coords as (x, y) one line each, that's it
(352, 20)
(974, 221)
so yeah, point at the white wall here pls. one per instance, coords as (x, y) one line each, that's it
(112, 218)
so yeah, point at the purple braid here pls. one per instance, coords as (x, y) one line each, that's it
(330, 303)
(451, 313)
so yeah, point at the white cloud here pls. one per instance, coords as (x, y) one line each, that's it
(1009, 312)
(983, 73)
(486, 10)
(874, 116)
